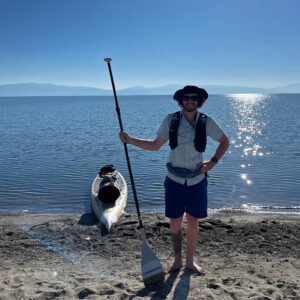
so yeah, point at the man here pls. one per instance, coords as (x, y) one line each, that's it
(186, 183)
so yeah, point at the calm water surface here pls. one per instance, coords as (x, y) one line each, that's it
(51, 148)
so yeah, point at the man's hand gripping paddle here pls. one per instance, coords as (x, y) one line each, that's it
(152, 270)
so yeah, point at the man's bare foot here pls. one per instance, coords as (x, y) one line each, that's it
(175, 267)
(196, 268)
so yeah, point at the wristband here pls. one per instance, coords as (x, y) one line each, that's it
(214, 159)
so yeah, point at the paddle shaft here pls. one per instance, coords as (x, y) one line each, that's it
(125, 145)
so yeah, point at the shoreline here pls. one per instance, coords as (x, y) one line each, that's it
(246, 255)
(244, 208)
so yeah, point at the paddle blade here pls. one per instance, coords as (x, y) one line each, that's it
(152, 269)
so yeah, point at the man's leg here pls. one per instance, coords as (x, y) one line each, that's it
(191, 241)
(176, 237)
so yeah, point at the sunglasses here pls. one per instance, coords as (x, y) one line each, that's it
(192, 98)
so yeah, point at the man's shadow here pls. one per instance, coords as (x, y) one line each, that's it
(162, 290)
(182, 289)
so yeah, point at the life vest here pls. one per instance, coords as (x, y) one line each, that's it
(200, 132)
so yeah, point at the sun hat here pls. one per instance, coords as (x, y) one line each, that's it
(190, 89)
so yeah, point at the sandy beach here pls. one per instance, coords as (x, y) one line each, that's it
(247, 256)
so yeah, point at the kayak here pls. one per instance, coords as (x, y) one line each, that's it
(109, 196)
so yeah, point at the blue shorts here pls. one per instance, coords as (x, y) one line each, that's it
(182, 198)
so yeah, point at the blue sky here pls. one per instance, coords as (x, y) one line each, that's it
(151, 42)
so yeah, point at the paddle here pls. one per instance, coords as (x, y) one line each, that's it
(152, 270)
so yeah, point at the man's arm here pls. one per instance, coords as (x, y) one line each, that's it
(152, 145)
(222, 148)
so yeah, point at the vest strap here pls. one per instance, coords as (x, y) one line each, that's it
(173, 132)
(200, 139)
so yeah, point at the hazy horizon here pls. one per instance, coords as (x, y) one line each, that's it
(146, 86)
(35, 89)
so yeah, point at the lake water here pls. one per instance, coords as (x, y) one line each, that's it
(51, 148)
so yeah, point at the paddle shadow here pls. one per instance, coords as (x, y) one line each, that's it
(182, 289)
(162, 290)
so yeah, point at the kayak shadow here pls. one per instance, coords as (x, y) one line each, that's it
(91, 220)
(88, 220)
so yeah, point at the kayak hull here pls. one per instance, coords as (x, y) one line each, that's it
(109, 213)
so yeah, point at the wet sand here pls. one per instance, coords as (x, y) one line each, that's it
(246, 256)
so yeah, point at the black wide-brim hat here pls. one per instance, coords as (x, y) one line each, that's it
(190, 89)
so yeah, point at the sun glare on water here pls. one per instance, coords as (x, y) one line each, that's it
(249, 128)
(248, 97)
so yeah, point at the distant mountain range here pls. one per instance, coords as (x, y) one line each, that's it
(35, 89)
